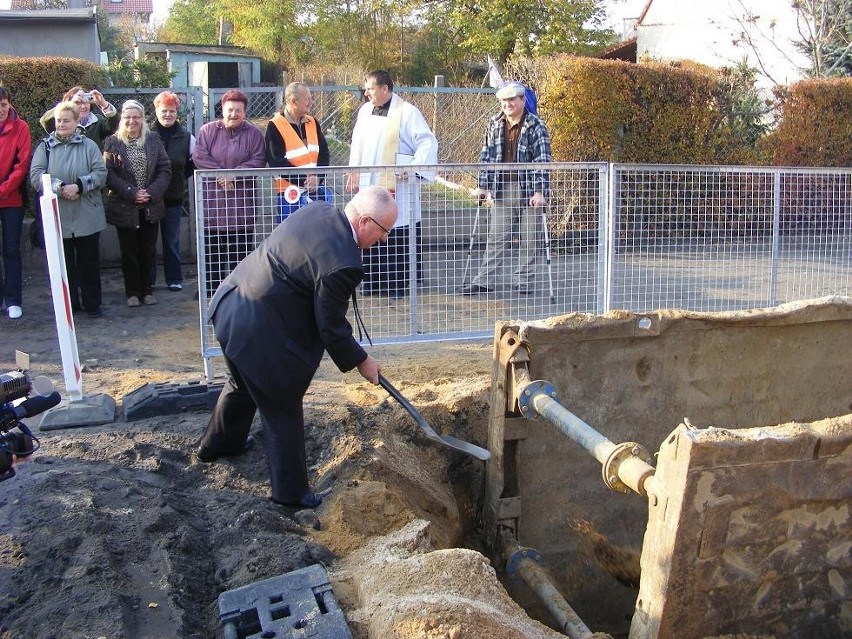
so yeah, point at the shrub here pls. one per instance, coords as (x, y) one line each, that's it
(815, 127)
(608, 110)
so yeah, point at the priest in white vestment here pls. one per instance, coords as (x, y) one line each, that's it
(392, 132)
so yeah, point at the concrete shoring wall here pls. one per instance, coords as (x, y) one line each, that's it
(748, 532)
(635, 377)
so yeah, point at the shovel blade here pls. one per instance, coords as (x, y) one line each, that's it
(446, 440)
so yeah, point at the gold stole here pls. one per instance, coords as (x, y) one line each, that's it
(390, 144)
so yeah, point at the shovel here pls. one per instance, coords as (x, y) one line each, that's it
(446, 440)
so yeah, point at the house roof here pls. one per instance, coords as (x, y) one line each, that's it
(74, 15)
(128, 6)
(624, 50)
(109, 6)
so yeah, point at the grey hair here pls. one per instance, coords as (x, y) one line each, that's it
(121, 133)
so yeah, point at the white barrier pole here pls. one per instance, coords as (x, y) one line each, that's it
(59, 289)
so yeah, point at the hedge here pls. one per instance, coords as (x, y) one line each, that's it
(37, 84)
(815, 127)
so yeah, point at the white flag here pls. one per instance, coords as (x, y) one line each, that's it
(495, 80)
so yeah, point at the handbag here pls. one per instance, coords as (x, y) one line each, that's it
(37, 232)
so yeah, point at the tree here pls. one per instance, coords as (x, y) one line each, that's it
(824, 30)
(540, 28)
(192, 22)
(150, 73)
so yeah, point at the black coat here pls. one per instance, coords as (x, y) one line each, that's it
(121, 210)
(289, 298)
(177, 147)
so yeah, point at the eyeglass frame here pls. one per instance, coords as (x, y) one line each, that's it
(381, 226)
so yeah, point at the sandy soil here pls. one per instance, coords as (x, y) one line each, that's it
(116, 531)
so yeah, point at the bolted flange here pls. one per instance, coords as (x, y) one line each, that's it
(618, 456)
(530, 391)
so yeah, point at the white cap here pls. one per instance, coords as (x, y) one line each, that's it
(510, 90)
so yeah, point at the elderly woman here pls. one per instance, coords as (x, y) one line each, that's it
(229, 143)
(95, 126)
(15, 147)
(179, 144)
(139, 172)
(77, 169)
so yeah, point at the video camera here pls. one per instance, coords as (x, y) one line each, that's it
(16, 439)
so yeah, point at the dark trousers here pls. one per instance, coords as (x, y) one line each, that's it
(225, 249)
(138, 247)
(11, 272)
(83, 268)
(386, 264)
(170, 233)
(280, 406)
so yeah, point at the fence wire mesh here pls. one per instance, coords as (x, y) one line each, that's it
(628, 237)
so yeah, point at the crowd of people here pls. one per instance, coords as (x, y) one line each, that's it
(137, 179)
(114, 168)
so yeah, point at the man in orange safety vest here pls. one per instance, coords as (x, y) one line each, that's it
(294, 139)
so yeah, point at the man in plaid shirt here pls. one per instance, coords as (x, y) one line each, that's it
(514, 135)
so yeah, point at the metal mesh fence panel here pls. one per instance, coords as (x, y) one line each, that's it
(727, 238)
(627, 237)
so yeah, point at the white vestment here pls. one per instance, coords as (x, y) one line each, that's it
(403, 137)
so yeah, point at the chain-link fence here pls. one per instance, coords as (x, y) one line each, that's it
(633, 237)
(190, 113)
(457, 116)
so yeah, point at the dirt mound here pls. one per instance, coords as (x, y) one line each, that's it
(117, 531)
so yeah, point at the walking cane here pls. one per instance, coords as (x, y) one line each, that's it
(547, 254)
(470, 247)
(458, 187)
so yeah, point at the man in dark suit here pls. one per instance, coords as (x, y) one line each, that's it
(274, 315)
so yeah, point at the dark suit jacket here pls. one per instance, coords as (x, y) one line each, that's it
(290, 296)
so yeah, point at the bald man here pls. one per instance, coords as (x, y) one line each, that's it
(274, 315)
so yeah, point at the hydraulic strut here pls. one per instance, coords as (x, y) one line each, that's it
(527, 564)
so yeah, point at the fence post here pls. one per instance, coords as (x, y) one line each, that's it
(439, 82)
(776, 233)
(606, 215)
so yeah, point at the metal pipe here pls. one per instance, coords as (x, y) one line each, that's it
(526, 563)
(625, 466)
(574, 427)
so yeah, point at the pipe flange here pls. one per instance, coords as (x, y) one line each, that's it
(514, 561)
(529, 392)
(619, 454)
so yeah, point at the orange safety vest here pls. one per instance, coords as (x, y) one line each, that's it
(295, 150)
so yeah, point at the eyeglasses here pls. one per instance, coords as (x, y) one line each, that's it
(387, 231)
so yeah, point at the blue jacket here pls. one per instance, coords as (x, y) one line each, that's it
(533, 146)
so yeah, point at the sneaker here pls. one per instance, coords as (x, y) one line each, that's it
(149, 300)
(176, 286)
(133, 301)
(14, 312)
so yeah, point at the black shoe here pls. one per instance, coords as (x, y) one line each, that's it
(208, 456)
(309, 500)
(473, 289)
(524, 291)
(94, 312)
